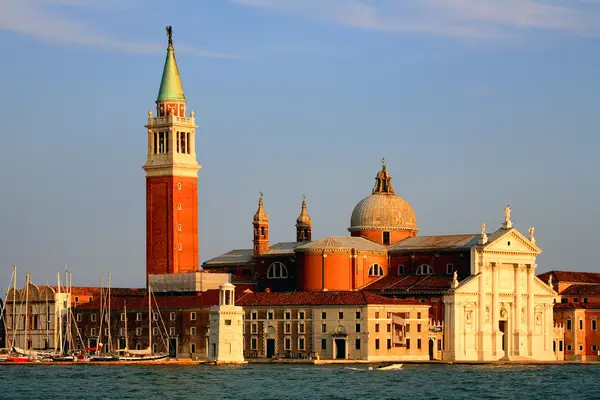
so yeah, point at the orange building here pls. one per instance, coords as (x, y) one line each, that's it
(171, 179)
(382, 254)
(578, 311)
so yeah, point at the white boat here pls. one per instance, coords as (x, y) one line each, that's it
(390, 367)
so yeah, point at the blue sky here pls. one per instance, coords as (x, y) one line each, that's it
(474, 103)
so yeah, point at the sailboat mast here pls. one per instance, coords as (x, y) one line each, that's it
(150, 319)
(58, 309)
(101, 311)
(108, 319)
(14, 310)
(26, 312)
(126, 335)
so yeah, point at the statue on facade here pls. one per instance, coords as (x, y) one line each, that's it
(550, 281)
(192, 114)
(170, 34)
(150, 113)
(531, 232)
(507, 212)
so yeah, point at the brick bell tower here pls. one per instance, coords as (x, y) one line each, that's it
(171, 178)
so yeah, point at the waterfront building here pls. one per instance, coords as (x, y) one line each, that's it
(577, 311)
(2, 327)
(348, 325)
(226, 342)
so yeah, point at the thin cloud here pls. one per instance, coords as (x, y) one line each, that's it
(455, 18)
(41, 19)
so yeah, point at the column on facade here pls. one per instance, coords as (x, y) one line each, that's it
(150, 143)
(530, 306)
(192, 143)
(495, 297)
(518, 298)
(481, 300)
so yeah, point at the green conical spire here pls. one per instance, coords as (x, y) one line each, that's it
(170, 84)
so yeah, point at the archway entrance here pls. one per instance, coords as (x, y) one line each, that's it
(270, 348)
(502, 328)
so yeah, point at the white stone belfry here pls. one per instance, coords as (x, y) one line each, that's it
(226, 340)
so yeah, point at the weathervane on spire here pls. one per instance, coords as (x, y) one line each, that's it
(261, 194)
(383, 163)
(303, 198)
(170, 35)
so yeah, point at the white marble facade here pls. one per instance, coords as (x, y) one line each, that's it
(502, 311)
(226, 343)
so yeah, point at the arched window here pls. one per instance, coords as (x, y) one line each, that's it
(277, 271)
(262, 231)
(424, 269)
(376, 270)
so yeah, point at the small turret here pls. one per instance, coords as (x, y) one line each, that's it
(261, 228)
(303, 224)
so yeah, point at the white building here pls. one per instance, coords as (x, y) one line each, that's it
(502, 311)
(226, 340)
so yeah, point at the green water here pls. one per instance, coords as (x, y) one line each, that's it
(84, 382)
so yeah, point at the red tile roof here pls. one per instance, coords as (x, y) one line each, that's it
(579, 289)
(571, 277)
(317, 299)
(411, 283)
(95, 291)
(205, 299)
(578, 306)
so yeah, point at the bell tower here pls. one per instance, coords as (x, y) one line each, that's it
(303, 224)
(260, 223)
(171, 178)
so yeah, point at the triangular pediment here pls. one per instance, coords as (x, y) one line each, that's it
(510, 241)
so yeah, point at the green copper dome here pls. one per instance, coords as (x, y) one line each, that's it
(170, 84)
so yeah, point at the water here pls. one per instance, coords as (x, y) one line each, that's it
(300, 382)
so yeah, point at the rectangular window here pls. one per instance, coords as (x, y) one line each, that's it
(376, 344)
(323, 344)
(155, 316)
(172, 331)
(357, 327)
(564, 300)
(253, 328)
(138, 316)
(418, 343)
(324, 328)
(121, 331)
(287, 343)
(376, 314)
(575, 299)
(358, 315)
(122, 316)
(90, 298)
(439, 345)
(193, 347)
(193, 331)
(301, 315)
(106, 331)
(407, 328)
(408, 343)
(418, 327)
(301, 343)
(386, 238)
(172, 316)
(93, 317)
(389, 327)
(228, 322)
(357, 344)
(560, 345)
(389, 315)
(340, 315)
(401, 269)
(192, 316)
(253, 343)
(376, 327)
(288, 328)
(78, 317)
(288, 315)
(389, 344)
(323, 315)
(138, 331)
(93, 332)
(254, 315)
(301, 328)
(580, 324)
(76, 299)
(449, 269)
(418, 315)
(594, 347)
(569, 347)
(569, 325)
(593, 324)
(155, 331)
(270, 315)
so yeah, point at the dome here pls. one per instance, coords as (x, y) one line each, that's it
(261, 216)
(383, 212)
(303, 219)
(383, 209)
